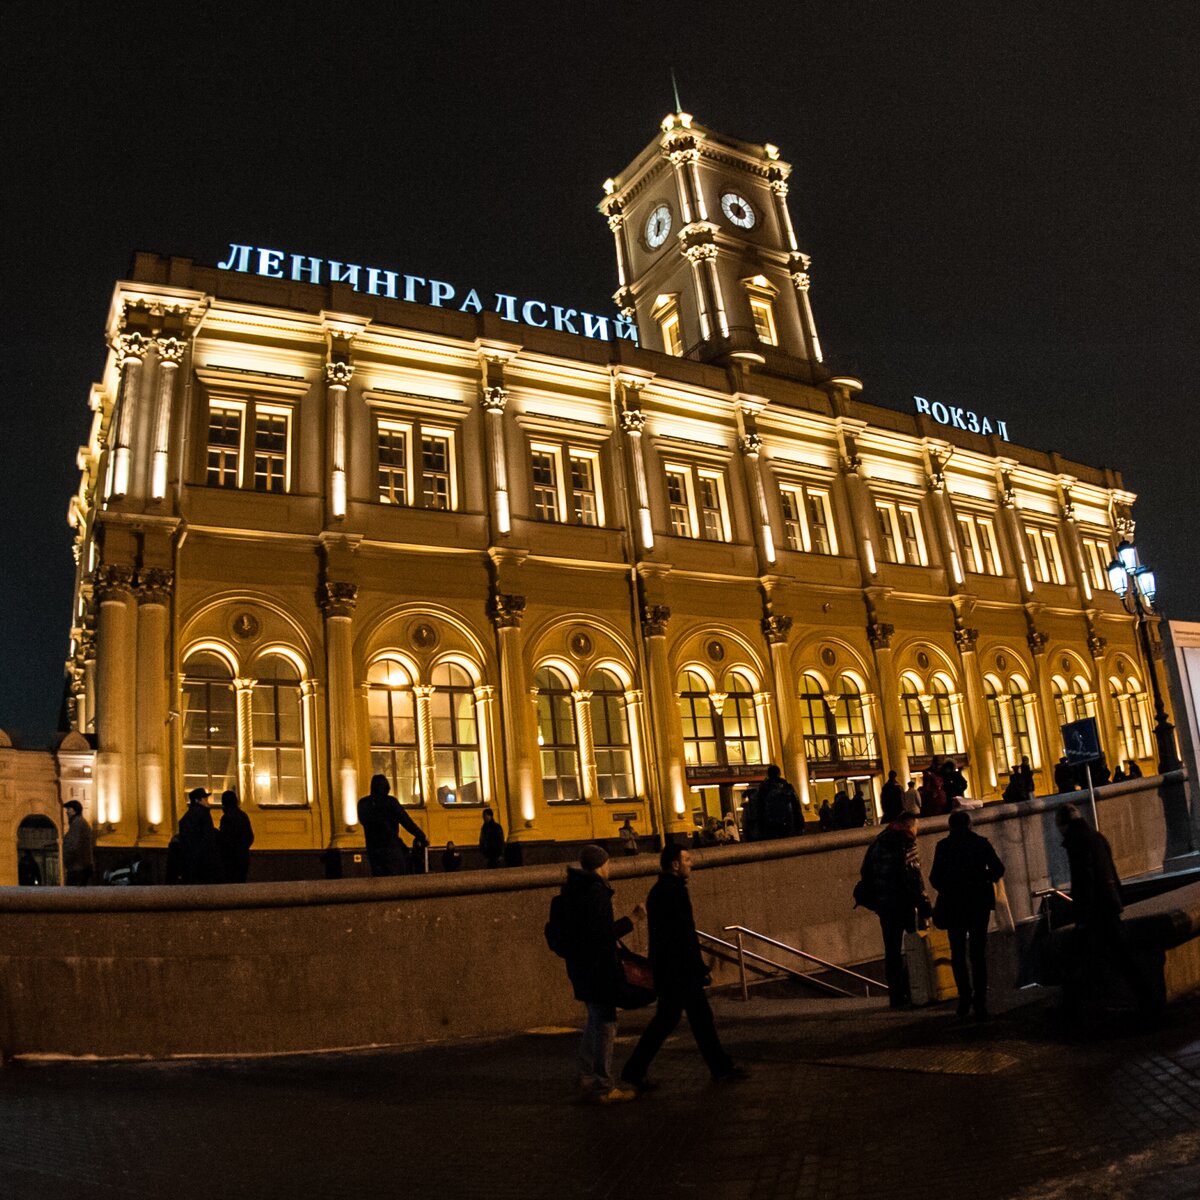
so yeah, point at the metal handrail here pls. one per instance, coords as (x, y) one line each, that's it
(1044, 895)
(749, 957)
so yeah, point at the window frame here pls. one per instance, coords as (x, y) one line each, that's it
(284, 413)
(693, 475)
(416, 428)
(1097, 554)
(978, 543)
(226, 406)
(563, 454)
(1046, 567)
(892, 533)
(804, 495)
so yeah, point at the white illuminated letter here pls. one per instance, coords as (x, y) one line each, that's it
(299, 270)
(595, 327)
(527, 313)
(410, 287)
(388, 278)
(270, 263)
(562, 319)
(506, 306)
(1002, 429)
(471, 302)
(921, 403)
(344, 273)
(439, 292)
(239, 258)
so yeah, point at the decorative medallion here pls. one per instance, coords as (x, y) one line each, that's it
(715, 651)
(922, 660)
(1121, 666)
(580, 644)
(246, 626)
(423, 636)
(1001, 662)
(828, 656)
(1066, 665)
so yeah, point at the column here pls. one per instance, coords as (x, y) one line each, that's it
(896, 759)
(861, 510)
(1072, 543)
(798, 265)
(130, 349)
(516, 718)
(155, 793)
(308, 724)
(776, 628)
(115, 659)
(634, 709)
(426, 766)
(751, 445)
(494, 400)
(633, 421)
(982, 755)
(485, 706)
(338, 599)
(1045, 693)
(669, 775)
(337, 382)
(943, 518)
(1108, 733)
(170, 354)
(243, 698)
(1016, 535)
(698, 254)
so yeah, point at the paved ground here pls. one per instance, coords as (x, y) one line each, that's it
(842, 1102)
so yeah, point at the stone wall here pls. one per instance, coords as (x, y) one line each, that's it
(268, 968)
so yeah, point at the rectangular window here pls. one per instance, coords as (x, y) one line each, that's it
(575, 495)
(1097, 555)
(807, 519)
(903, 540)
(679, 486)
(270, 450)
(427, 481)
(696, 503)
(712, 521)
(977, 540)
(544, 467)
(585, 495)
(1045, 561)
(393, 464)
(671, 336)
(763, 314)
(224, 446)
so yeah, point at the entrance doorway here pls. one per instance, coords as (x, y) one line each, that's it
(37, 852)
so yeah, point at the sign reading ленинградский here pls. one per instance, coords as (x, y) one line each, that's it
(374, 281)
(960, 418)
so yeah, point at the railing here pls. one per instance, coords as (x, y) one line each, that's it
(748, 959)
(840, 747)
(1043, 896)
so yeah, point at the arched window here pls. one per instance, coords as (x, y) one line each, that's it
(1139, 708)
(740, 721)
(1020, 720)
(815, 723)
(1061, 699)
(455, 736)
(942, 736)
(850, 721)
(391, 709)
(991, 699)
(558, 740)
(1120, 715)
(277, 730)
(931, 732)
(610, 737)
(916, 740)
(701, 742)
(209, 724)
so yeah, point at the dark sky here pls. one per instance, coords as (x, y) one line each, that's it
(1001, 202)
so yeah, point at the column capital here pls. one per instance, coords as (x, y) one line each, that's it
(633, 421)
(1096, 644)
(337, 598)
(170, 351)
(130, 347)
(494, 399)
(654, 620)
(113, 582)
(1037, 641)
(879, 633)
(751, 445)
(506, 610)
(965, 638)
(776, 628)
(581, 696)
(339, 374)
(154, 585)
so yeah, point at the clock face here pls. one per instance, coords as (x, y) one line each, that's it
(658, 225)
(737, 210)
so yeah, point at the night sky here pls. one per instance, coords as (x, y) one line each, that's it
(1001, 202)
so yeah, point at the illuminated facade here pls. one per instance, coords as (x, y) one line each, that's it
(323, 533)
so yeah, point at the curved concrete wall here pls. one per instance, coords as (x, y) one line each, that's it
(270, 968)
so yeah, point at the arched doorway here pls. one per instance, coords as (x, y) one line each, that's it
(37, 852)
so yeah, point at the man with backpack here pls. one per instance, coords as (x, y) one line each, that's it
(776, 808)
(582, 930)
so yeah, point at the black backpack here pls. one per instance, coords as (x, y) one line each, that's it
(558, 929)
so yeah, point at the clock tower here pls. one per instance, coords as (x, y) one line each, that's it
(707, 258)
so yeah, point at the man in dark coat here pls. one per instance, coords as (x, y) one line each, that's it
(199, 857)
(965, 872)
(1064, 776)
(78, 847)
(381, 815)
(234, 837)
(491, 840)
(892, 869)
(679, 974)
(1096, 906)
(1025, 774)
(777, 810)
(595, 970)
(891, 799)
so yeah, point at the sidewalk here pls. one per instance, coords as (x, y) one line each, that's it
(844, 1101)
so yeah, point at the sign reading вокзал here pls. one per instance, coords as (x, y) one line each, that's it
(375, 281)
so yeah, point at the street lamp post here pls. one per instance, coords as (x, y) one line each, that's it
(1136, 587)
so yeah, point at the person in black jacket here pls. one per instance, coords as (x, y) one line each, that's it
(595, 970)
(234, 838)
(892, 869)
(965, 871)
(199, 856)
(380, 814)
(491, 840)
(679, 974)
(891, 799)
(1096, 906)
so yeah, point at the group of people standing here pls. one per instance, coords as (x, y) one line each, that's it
(202, 852)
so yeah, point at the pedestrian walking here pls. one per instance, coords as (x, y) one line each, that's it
(78, 847)
(858, 808)
(965, 872)
(199, 856)
(841, 809)
(680, 975)
(776, 808)
(912, 798)
(891, 874)
(451, 858)
(1065, 779)
(629, 839)
(933, 790)
(1096, 906)
(1134, 771)
(1025, 774)
(954, 784)
(381, 815)
(589, 938)
(891, 799)
(491, 840)
(235, 836)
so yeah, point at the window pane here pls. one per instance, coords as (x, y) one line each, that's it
(224, 446)
(818, 522)
(270, 452)
(393, 466)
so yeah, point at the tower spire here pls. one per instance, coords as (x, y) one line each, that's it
(675, 89)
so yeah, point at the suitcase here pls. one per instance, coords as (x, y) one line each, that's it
(916, 961)
(927, 957)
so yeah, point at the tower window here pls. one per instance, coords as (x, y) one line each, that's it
(1045, 560)
(666, 314)
(763, 313)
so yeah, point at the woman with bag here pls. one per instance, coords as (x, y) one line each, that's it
(966, 870)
